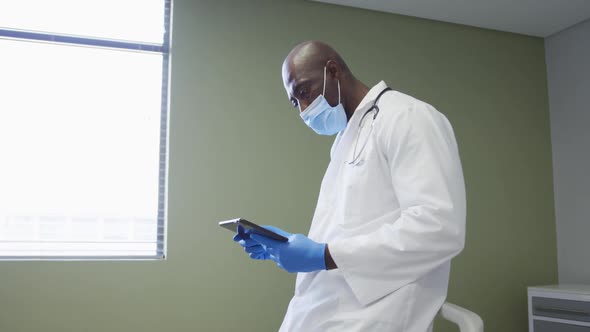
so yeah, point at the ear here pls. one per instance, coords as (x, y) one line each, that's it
(333, 70)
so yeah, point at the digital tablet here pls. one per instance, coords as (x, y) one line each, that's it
(232, 225)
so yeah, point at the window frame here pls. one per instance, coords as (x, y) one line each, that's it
(164, 49)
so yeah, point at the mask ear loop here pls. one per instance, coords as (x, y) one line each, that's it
(338, 91)
(324, 92)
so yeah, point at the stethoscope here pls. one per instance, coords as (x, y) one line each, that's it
(375, 109)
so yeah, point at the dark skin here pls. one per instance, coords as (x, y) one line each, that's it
(303, 78)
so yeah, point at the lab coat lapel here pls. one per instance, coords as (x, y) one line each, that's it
(345, 139)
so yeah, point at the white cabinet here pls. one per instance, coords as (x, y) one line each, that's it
(559, 308)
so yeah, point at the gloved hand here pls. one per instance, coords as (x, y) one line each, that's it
(299, 254)
(254, 249)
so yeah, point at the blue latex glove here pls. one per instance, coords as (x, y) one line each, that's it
(254, 249)
(299, 254)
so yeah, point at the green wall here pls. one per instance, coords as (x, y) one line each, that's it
(237, 148)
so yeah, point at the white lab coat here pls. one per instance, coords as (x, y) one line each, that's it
(392, 223)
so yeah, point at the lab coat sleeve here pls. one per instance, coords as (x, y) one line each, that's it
(423, 160)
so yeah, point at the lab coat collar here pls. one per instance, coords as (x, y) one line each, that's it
(345, 137)
(365, 103)
(370, 97)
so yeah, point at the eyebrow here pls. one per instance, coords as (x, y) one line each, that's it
(299, 84)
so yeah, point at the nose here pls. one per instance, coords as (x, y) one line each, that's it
(302, 106)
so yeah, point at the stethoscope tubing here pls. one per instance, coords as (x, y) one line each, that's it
(375, 108)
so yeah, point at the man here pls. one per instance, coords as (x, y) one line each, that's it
(391, 210)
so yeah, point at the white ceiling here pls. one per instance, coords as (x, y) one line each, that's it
(540, 18)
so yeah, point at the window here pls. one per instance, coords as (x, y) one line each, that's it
(83, 128)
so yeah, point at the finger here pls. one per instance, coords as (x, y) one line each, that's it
(248, 243)
(238, 237)
(264, 240)
(254, 249)
(239, 234)
(273, 257)
(259, 256)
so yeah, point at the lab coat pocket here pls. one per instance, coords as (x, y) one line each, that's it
(354, 187)
(388, 314)
(359, 195)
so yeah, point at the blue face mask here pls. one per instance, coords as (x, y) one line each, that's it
(323, 118)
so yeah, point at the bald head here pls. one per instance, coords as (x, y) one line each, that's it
(303, 74)
(313, 68)
(311, 55)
